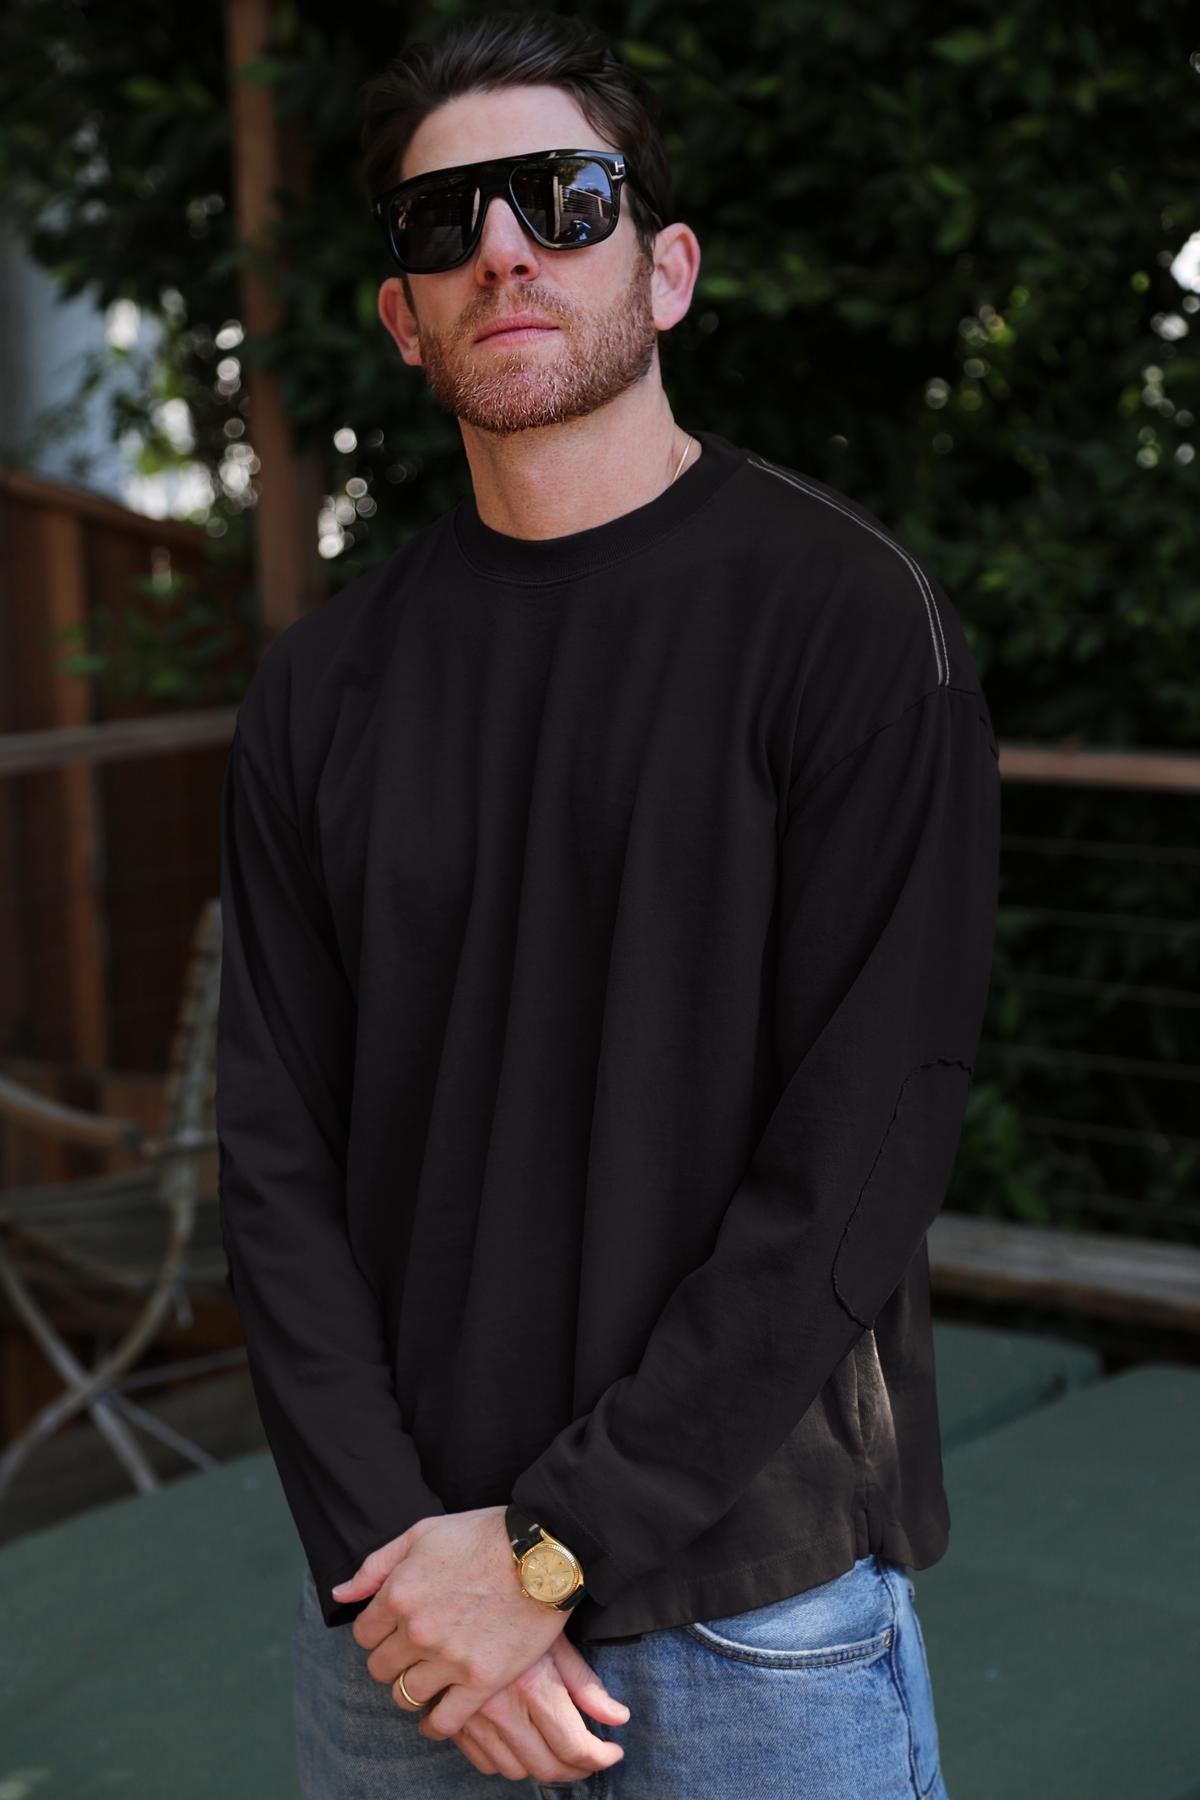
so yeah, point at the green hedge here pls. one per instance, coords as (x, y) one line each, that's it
(936, 272)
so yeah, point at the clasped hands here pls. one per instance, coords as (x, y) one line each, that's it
(492, 1666)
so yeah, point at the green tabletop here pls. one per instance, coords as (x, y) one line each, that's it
(985, 1376)
(145, 1644)
(1063, 1624)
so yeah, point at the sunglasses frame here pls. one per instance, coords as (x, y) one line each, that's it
(494, 178)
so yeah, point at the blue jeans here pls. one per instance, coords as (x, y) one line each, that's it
(824, 1695)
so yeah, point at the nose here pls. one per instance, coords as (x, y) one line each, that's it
(504, 247)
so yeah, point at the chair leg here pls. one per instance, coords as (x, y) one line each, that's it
(86, 1389)
(166, 1434)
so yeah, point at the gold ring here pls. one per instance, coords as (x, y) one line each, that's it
(399, 1683)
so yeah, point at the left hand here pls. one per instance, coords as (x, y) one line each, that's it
(449, 1610)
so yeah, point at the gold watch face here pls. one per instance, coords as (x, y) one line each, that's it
(547, 1574)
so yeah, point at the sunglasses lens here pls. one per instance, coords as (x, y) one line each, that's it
(567, 200)
(430, 226)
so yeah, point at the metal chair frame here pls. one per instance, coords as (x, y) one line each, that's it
(167, 1186)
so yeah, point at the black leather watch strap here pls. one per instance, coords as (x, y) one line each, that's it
(523, 1532)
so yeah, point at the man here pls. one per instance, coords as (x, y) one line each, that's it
(608, 885)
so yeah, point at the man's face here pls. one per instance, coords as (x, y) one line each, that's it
(598, 298)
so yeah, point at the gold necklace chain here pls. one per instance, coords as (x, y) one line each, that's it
(681, 462)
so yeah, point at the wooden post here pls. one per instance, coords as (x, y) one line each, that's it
(269, 152)
(76, 822)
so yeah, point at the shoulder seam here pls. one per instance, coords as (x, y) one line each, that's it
(812, 779)
(941, 656)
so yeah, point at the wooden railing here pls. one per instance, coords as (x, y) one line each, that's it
(103, 868)
(1106, 1275)
(1161, 771)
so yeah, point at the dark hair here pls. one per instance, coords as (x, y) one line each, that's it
(511, 49)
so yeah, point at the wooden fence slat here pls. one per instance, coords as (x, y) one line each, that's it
(24, 751)
(1164, 770)
(1099, 1273)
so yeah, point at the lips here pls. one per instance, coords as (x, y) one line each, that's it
(517, 322)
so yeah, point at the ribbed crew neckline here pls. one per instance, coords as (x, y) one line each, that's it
(539, 561)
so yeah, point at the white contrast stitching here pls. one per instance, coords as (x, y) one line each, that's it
(931, 609)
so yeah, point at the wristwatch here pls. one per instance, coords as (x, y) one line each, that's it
(548, 1571)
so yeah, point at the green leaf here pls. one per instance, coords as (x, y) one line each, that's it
(263, 71)
(859, 311)
(366, 301)
(969, 45)
(946, 182)
(645, 56)
(143, 90)
(887, 99)
(957, 227)
(720, 287)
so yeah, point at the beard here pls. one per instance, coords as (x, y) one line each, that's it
(590, 360)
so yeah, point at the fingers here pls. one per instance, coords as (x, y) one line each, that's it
(417, 1679)
(584, 1684)
(452, 1708)
(423, 1679)
(539, 1724)
(469, 1742)
(555, 1722)
(374, 1623)
(484, 1744)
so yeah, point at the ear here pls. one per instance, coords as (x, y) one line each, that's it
(674, 275)
(399, 320)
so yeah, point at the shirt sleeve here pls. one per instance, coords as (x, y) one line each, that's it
(886, 911)
(311, 1321)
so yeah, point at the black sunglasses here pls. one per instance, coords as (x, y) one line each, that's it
(565, 199)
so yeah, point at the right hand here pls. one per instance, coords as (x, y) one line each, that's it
(534, 1726)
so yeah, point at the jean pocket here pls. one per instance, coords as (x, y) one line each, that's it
(849, 1620)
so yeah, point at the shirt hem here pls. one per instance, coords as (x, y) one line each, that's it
(721, 1593)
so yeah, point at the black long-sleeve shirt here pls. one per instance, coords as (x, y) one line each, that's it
(607, 930)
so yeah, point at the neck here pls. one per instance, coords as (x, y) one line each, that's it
(570, 555)
(576, 474)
